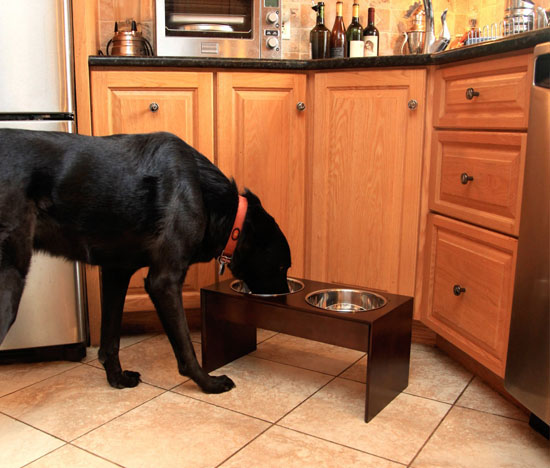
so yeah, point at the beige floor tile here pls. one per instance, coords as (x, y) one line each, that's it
(16, 376)
(125, 341)
(280, 447)
(434, 375)
(336, 413)
(154, 360)
(262, 334)
(471, 439)
(69, 456)
(21, 444)
(264, 389)
(172, 431)
(357, 372)
(481, 397)
(307, 354)
(75, 402)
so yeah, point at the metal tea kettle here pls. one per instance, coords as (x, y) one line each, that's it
(130, 43)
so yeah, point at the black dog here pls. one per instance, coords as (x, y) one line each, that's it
(124, 202)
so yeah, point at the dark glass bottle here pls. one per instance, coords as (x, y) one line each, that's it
(371, 36)
(354, 35)
(319, 36)
(338, 34)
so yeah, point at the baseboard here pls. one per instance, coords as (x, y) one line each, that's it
(422, 334)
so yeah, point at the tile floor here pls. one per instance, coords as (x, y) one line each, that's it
(297, 403)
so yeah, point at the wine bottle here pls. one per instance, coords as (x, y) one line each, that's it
(319, 36)
(370, 36)
(338, 34)
(354, 35)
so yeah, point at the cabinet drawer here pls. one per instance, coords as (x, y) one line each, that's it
(477, 318)
(503, 101)
(478, 177)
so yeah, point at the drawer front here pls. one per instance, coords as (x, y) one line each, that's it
(478, 177)
(502, 101)
(470, 287)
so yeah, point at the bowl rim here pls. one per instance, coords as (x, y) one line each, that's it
(352, 290)
(294, 280)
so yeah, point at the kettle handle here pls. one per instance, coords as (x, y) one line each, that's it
(107, 48)
(148, 48)
(405, 39)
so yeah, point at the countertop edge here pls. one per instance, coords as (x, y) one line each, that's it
(509, 44)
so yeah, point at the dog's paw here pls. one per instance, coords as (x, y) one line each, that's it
(218, 384)
(125, 379)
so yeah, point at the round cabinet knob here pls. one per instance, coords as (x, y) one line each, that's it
(273, 42)
(300, 106)
(412, 104)
(272, 17)
(154, 107)
(458, 290)
(465, 178)
(470, 93)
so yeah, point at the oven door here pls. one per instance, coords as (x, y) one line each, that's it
(217, 28)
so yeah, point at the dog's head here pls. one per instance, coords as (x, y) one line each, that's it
(262, 257)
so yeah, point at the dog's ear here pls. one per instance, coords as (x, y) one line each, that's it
(252, 199)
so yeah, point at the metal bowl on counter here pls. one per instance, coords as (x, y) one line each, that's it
(293, 285)
(346, 300)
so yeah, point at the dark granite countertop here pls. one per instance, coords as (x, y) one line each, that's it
(512, 43)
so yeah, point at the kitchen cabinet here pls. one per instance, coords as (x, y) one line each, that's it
(180, 102)
(470, 282)
(365, 165)
(261, 142)
(480, 120)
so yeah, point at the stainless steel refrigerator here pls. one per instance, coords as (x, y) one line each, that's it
(37, 93)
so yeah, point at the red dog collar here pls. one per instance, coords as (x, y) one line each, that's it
(227, 253)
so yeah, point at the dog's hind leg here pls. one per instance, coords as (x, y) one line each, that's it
(114, 284)
(15, 258)
(164, 288)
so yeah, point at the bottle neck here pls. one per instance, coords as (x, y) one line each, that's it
(321, 15)
(371, 16)
(339, 9)
(355, 14)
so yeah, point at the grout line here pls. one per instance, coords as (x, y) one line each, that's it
(121, 414)
(290, 365)
(441, 421)
(245, 445)
(95, 455)
(340, 444)
(77, 364)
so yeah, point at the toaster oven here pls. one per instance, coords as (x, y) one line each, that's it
(219, 28)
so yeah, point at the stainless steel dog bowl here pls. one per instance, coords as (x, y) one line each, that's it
(345, 300)
(293, 285)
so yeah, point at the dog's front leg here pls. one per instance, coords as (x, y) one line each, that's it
(114, 284)
(165, 292)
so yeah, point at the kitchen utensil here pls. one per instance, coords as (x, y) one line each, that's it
(414, 41)
(131, 43)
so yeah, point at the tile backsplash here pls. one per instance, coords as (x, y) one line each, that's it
(389, 19)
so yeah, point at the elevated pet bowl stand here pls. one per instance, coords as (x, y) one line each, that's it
(230, 319)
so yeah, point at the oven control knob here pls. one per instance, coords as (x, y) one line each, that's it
(273, 43)
(272, 17)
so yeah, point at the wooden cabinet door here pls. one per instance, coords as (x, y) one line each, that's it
(475, 318)
(366, 168)
(149, 101)
(261, 143)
